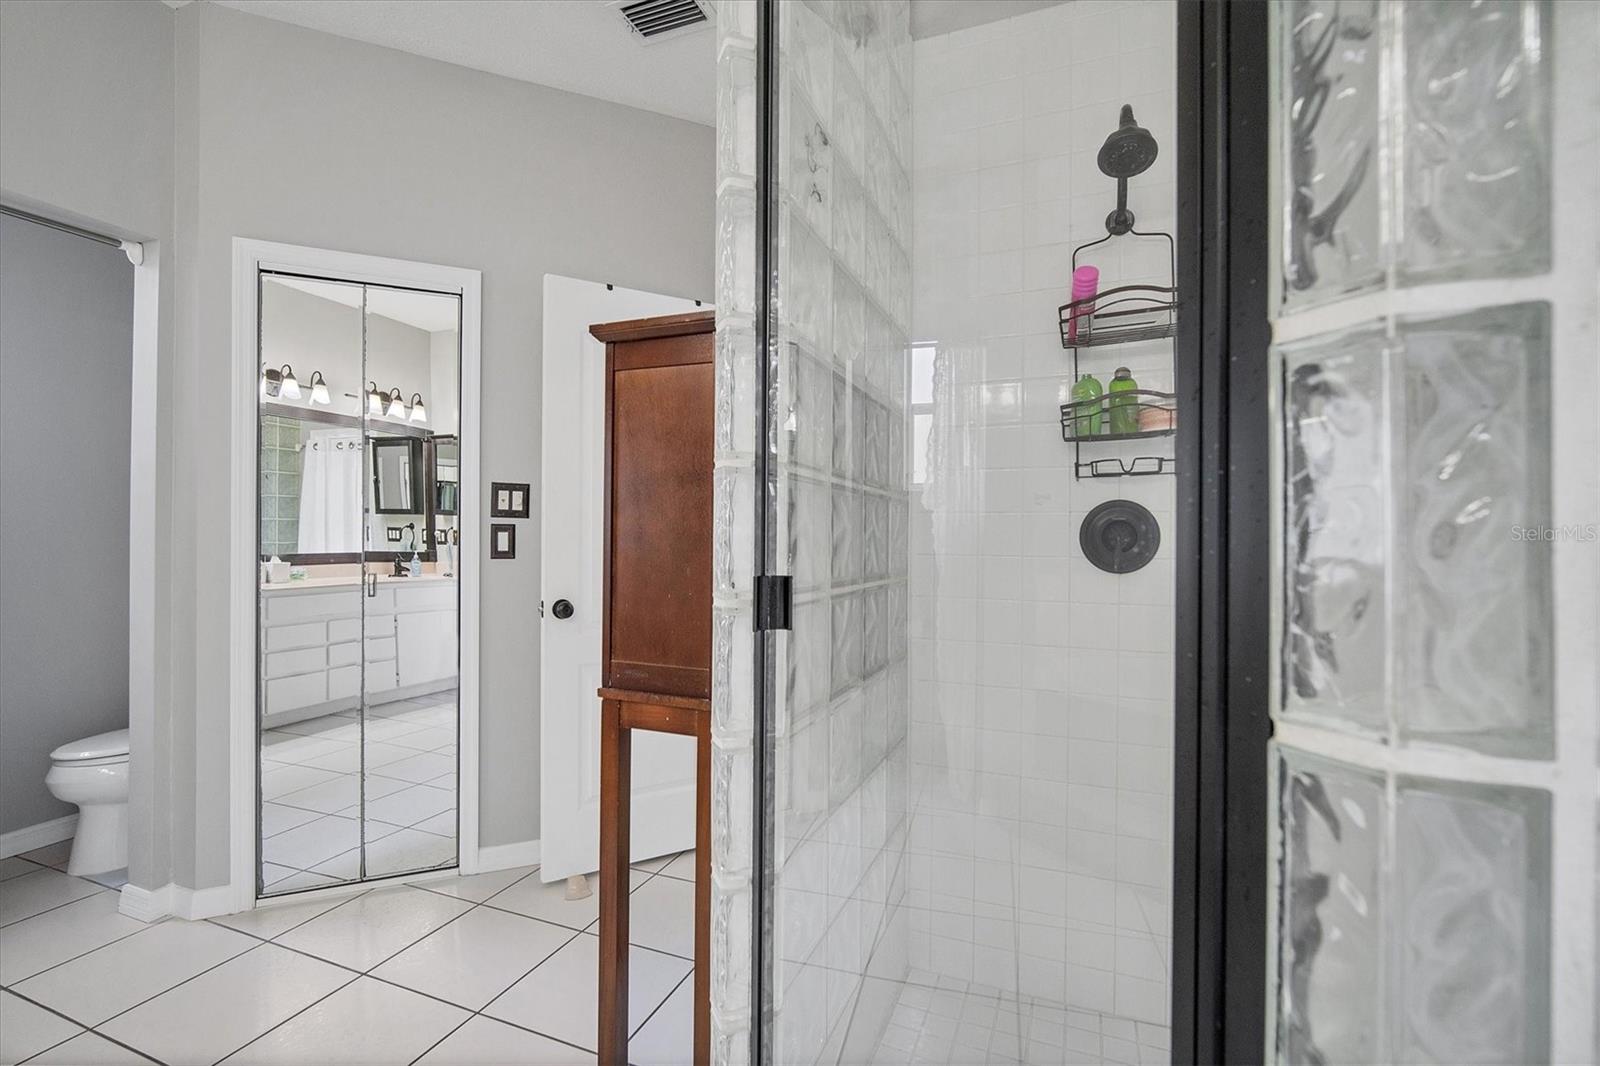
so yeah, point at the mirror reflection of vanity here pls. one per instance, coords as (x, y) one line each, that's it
(358, 602)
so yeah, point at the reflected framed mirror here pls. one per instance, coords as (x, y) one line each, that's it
(446, 476)
(396, 475)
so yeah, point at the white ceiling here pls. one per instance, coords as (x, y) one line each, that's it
(420, 310)
(930, 18)
(582, 46)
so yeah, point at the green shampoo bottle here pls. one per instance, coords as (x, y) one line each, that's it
(1124, 405)
(1087, 387)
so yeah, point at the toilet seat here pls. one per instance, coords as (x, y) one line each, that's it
(102, 749)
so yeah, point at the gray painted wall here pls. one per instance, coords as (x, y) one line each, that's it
(66, 347)
(86, 120)
(205, 124)
(291, 135)
(86, 109)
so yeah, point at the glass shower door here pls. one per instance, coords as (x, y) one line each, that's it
(962, 746)
(832, 468)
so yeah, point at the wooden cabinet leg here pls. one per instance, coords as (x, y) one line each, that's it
(616, 765)
(702, 894)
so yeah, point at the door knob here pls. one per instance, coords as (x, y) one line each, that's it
(562, 609)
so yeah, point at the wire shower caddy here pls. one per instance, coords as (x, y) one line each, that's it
(1124, 314)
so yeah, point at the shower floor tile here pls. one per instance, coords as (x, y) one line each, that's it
(931, 1022)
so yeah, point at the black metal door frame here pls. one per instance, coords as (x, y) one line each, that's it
(1221, 813)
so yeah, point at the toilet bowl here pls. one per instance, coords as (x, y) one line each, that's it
(93, 773)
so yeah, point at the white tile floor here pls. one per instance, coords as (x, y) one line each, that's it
(937, 1020)
(311, 788)
(495, 968)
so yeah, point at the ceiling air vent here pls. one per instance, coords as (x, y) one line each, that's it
(654, 18)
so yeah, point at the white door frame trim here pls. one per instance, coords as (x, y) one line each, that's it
(250, 256)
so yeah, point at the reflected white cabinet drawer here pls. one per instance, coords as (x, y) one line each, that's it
(302, 690)
(425, 598)
(381, 676)
(341, 629)
(374, 625)
(344, 682)
(427, 646)
(300, 607)
(302, 661)
(379, 649)
(344, 654)
(300, 636)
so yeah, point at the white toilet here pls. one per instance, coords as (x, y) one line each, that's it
(93, 773)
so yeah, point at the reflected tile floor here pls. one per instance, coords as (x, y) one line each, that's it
(450, 970)
(311, 774)
(934, 1020)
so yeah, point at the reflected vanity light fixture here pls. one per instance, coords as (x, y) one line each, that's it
(319, 389)
(291, 387)
(397, 403)
(271, 382)
(375, 399)
(419, 413)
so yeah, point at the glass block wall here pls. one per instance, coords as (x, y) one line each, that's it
(281, 463)
(1436, 505)
(837, 507)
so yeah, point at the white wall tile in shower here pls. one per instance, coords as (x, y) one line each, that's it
(1042, 711)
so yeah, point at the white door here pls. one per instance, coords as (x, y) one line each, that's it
(570, 523)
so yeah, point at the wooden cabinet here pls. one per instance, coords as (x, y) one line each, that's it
(655, 657)
(659, 396)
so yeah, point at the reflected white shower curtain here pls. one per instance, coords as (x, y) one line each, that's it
(331, 492)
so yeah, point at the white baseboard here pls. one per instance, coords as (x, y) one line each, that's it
(146, 905)
(37, 836)
(197, 903)
(508, 856)
(175, 901)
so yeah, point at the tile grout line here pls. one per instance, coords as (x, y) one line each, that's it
(395, 984)
(635, 1032)
(339, 814)
(95, 1027)
(99, 887)
(91, 951)
(357, 974)
(81, 1026)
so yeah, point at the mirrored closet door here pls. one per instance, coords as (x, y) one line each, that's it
(358, 602)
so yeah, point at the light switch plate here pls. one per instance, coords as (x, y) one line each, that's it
(502, 540)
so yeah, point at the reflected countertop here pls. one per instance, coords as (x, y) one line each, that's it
(354, 580)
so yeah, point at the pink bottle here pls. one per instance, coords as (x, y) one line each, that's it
(1085, 283)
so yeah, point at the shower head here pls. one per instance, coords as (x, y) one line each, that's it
(1129, 150)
